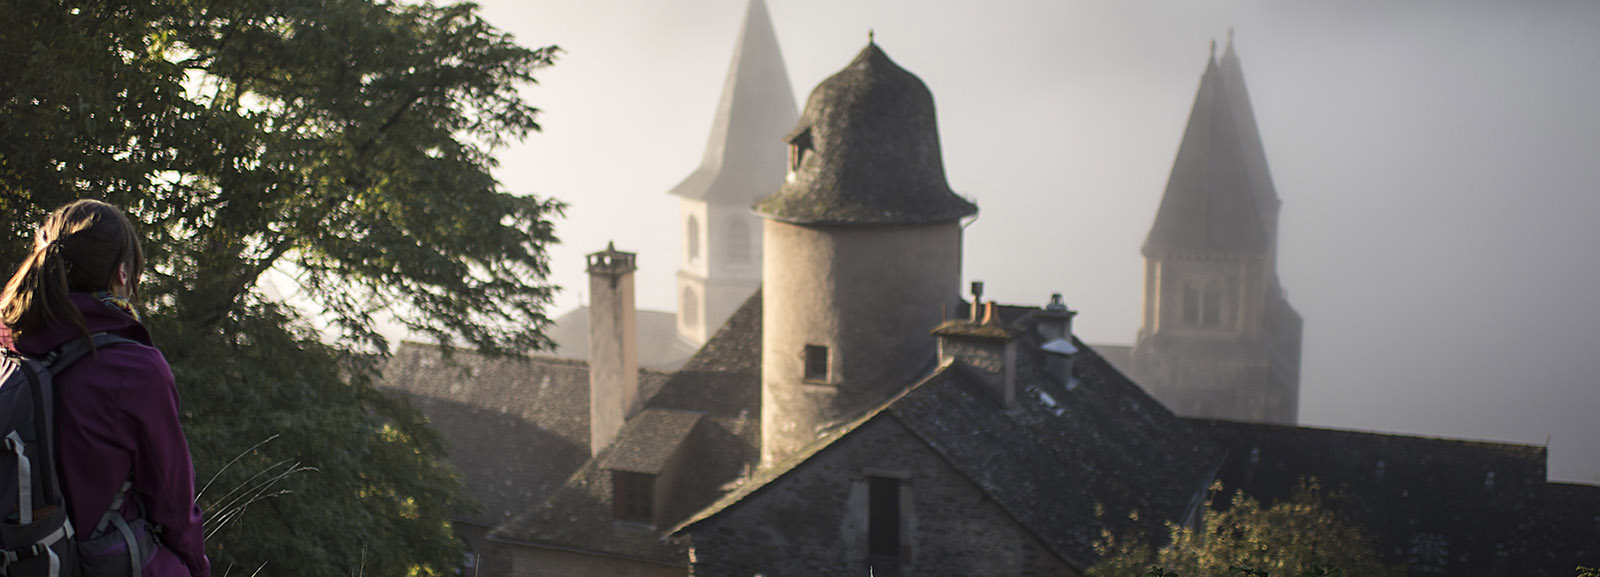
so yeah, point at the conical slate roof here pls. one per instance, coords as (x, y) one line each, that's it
(868, 151)
(1220, 196)
(744, 156)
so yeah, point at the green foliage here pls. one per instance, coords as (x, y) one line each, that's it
(348, 143)
(1301, 537)
(1588, 571)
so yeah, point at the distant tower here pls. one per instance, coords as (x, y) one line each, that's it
(863, 258)
(721, 256)
(1219, 339)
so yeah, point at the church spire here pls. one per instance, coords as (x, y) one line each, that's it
(1220, 196)
(744, 158)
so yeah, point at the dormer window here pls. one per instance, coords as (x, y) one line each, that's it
(799, 147)
(633, 497)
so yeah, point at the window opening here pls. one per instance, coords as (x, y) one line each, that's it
(693, 233)
(799, 147)
(1191, 305)
(816, 363)
(633, 496)
(1211, 314)
(883, 518)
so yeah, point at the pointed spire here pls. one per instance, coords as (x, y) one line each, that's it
(1220, 195)
(744, 158)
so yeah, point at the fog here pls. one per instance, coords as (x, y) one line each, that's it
(1439, 166)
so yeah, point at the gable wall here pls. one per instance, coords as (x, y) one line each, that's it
(813, 521)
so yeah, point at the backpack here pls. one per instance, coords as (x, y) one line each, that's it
(36, 537)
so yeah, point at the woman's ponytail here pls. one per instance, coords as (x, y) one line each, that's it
(78, 248)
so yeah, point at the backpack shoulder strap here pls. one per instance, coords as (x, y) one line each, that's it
(74, 350)
(44, 400)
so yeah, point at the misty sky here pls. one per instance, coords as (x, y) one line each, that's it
(1439, 165)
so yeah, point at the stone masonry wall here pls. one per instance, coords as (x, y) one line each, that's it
(813, 521)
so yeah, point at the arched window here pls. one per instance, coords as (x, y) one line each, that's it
(738, 240)
(692, 233)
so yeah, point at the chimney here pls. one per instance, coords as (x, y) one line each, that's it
(983, 346)
(1055, 325)
(613, 346)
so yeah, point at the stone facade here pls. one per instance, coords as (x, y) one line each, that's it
(947, 524)
(844, 289)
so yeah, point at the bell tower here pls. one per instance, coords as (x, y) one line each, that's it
(1219, 338)
(721, 248)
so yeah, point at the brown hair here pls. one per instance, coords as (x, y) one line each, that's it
(78, 248)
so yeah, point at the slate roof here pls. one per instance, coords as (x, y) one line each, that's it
(1071, 459)
(1482, 497)
(721, 385)
(515, 428)
(659, 345)
(1220, 195)
(649, 440)
(744, 158)
(874, 156)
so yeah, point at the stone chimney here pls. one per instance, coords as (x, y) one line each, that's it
(1055, 326)
(613, 346)
(984, 347)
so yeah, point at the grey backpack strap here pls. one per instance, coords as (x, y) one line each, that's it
(115, 510)
(113, 517)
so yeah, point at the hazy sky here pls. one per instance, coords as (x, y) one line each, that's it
(1439, 165)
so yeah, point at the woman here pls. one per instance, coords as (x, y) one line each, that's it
(116, 410)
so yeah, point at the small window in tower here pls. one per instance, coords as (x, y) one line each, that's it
(692, 233)
(1191, 305)
(738, 240)
(1211, 313)
(883, 521)
(816, 363)
(799, 147)
(633, 497)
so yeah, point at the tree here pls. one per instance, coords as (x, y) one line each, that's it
(1298, 537)
(349, 143)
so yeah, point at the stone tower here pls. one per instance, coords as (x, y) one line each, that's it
(863, 253)
(1218, 338)
(721, 248)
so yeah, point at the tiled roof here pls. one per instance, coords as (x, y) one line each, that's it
(1069, 460)
(649, 440)
(1480, 497)
(722, 382)
(515, 428)
(874, 157)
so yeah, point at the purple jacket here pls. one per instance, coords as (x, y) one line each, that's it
(116, 413)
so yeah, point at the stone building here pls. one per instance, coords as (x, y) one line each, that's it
(855, 415)
(1218, 338)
